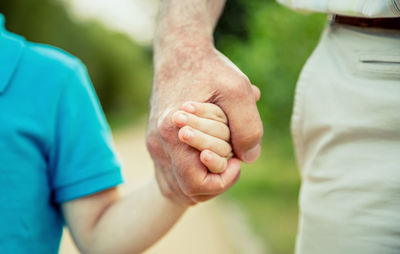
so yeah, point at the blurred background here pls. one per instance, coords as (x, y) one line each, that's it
(268, 42)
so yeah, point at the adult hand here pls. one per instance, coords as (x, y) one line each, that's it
(199, 73)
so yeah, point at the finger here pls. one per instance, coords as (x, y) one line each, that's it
(256, 92)
(164, 172)
(222, 181)
(244, 122)
(194, 179)
(201, 141)
(210, 184)
(202, 198)
(205, 110)
(207, 126)
(215, 163)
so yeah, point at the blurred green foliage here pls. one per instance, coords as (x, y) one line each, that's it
(267, 192)
(268, 42)
(119, 68)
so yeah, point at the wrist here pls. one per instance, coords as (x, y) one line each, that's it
(182, 27)
(188, 44)
(168, 202)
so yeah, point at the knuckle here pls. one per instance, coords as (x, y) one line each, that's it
(253, 135)
(195, 121)
(152, 143)
(217, 112)
(238, 86)
(155, 147)
(225, 151)
(228, 146)
(228, 150)
(250, 139)
(221, 117)
(222, 165)
(166, 129)
(228, 136)
(258, 133)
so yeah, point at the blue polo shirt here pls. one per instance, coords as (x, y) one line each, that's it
(55, 144)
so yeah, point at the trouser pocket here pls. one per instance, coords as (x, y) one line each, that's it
(298, 111)
(386, 63)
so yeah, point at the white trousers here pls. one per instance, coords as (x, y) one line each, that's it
(346, 130)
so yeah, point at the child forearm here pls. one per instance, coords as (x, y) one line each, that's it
(129, 224)
(135, 222)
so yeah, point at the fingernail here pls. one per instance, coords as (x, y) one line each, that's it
(188, 134)
(208, 156)
(182, 119)
(252, 154)
(189, 107)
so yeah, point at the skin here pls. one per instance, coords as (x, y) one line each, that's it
(188, 67)
(108, 222)
(207, 131)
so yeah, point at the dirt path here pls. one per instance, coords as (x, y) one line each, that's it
(214, 227)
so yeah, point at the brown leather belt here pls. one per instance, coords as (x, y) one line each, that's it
(385, 23)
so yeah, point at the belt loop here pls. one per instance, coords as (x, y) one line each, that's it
(332, 18)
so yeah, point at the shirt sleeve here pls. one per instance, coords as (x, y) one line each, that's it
(82, 158)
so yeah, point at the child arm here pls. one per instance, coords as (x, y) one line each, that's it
(108, 222)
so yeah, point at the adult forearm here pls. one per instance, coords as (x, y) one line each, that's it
(134, 222)
(187, 67)
(186, 23)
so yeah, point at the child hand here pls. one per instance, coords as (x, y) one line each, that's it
(204, 126)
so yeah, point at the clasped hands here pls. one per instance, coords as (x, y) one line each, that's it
(203, 122)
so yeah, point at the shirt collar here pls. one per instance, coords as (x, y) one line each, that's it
(11, 47)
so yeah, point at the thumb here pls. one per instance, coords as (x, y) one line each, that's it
(256, 92)
(244, 121)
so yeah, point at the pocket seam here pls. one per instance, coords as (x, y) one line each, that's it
(379, 62)
(298, 112)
